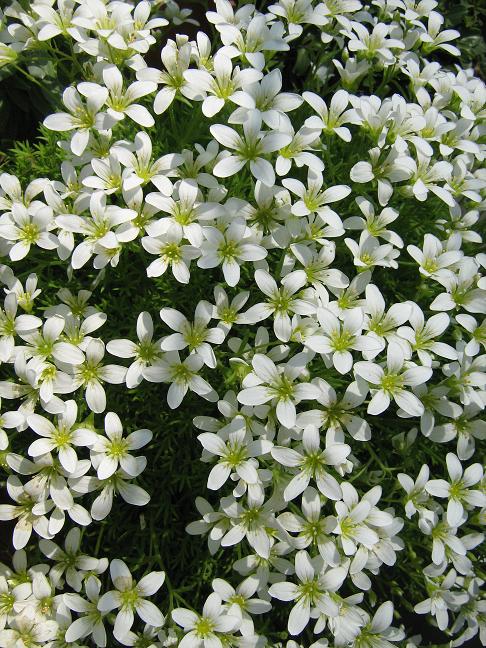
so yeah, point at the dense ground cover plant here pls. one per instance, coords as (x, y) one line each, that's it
(254, 241)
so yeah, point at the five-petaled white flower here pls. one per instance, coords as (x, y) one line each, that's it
(130, 597)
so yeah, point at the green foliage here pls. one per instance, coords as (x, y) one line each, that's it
(34, 159)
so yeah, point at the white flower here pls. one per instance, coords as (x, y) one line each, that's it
(335, 339)
(316, 583)
(433, 260)
(255, 522)
(269, 382)
(24, 227)
(461, 291)
(378, 632)
(230, 248)
(352, 70)
(107, 453)
(30, 391)
(382, 326)
(182, 376)
(281, 302)
(12, 324)
(465, 426)
(91, 620)
(108, 175)
(24, 513)
(391, 383)
(240, 602)
(298, 13)
(145, 352)
(313, 200)
(417, 497)
(60, 437)
(441, 599)
(334, 414)
(331, 119)
(175, 60)
(266, 98)
(140, 169)
(82, 116)
(316, 266)
(8, 54)
(121, 101)
(25, 293)
(70, 561)
(257, 39)
(12, 419)
(311, 464)
(172, 252)
(375, 224)
(97, 229)
(375, 44)
(46, 343)
(248, 148)
(298, 150)
(91, 374)
(458, 490)
(10, 596)
(73, 305)
(221, 85)
(193, 335)
(202, 630)
(228, 313)
(476, 331)
(184, 212)
(130, 597)
(11, 191)
(235, 452)
(425, 177)
(214, 522)
(422, 334)
(225, 14)
(26, 628)
(355, 519)
(312, 528)
(117, 484)
(369, 253)
(433, 38)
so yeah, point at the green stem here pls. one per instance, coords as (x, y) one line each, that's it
(30, 78)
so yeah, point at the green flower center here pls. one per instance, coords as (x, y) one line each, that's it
(6, 603)
(204, 627)
(7, 325)
(281, 302)
(147, 351)
(391, 382)
(342, 340)
(228, 250)
(118, 448)
(89, 372)
(171, 252)
(310, 591)
(235, 455)
(195, 335)
(313, 462)
(181, 374)
(62, 437)
(430, 265)
(30, 233)
(129, 598)
(228, 315)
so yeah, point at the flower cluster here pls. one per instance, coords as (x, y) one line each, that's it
(338, 337)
